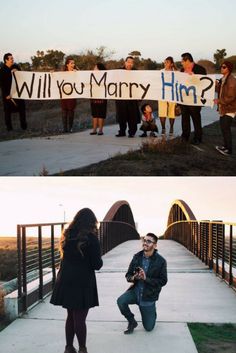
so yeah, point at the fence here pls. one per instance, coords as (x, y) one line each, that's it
(212, 242)
(38, 255)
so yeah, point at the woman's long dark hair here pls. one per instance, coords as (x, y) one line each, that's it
(170, 58)
(84, 223)
(68, 59)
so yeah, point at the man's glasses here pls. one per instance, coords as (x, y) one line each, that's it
(223, 67)
(148, 241)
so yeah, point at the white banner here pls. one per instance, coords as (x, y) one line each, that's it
(170, 86)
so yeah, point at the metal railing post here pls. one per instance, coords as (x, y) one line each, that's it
(231, 255)
(53, 256)
(210, 248)
(19, 262)
(40, 262)
(24, 270)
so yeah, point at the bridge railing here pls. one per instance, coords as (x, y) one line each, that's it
(38, 255)
(214, 242)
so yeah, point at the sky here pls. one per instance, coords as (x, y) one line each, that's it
(154, 27)
(27, 200)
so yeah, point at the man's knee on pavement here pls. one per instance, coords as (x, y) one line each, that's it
(149, 327)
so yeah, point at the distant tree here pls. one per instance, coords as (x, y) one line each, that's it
(135, 53)
(103, 53)
(53, 59)
(114, 64)
(37, 60)
(25, 66)
(85, 61)
(208, 65)
(219, 57)
(148, 64)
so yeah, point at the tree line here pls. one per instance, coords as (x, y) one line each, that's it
(54, 60)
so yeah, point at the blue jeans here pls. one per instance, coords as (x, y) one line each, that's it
(148, 313)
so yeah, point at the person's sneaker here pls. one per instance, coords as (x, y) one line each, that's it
(131, 326)
(152, 134)
(131, 136)
(100, 133)
(143, 135)
(93, 133)
(223, 150)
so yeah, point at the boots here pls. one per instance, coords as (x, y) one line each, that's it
(83, 350)
(131, 326)
(70, 349)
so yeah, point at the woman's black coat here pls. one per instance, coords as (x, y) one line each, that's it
(76, 286)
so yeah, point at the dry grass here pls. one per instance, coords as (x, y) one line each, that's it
(2, 294)
(169, 158)
(44, 119)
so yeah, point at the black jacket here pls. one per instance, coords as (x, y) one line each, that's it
(156, 276)
(76, 286)
(6, 79)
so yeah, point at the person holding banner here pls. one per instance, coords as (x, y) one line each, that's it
(190, 67)
(98, 109)
(127, 111)
(68, 105)
(226, 101)
(167, 109)
(11, 105)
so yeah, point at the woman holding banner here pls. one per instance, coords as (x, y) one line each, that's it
(98, 109)
(167, 109)
(68, 105)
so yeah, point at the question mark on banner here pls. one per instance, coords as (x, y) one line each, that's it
(203, 100)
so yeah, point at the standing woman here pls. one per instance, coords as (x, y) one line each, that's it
(76, 288)
(68, 105)
(98, 109)
(167, 109)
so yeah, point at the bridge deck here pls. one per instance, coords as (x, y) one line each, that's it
(193, 294)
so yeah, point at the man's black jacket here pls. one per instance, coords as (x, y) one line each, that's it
(156, 276)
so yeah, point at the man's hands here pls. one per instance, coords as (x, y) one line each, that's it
(140, 275)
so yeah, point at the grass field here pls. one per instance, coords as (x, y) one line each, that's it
(212, 338)
(8, 258)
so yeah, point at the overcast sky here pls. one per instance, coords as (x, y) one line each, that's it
(154, 27)
(38, 199)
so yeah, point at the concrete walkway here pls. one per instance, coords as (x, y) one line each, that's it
(192, 294)
(28, 157)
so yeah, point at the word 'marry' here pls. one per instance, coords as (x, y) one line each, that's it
(115, 84)
(116, 89)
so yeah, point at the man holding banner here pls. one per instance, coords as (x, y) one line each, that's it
(127, 111)
(11, 105)
(190, 67)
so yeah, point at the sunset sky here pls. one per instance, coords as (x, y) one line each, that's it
(38, 199)
(156, 28)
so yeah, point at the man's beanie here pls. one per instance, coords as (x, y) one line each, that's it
(229, 65)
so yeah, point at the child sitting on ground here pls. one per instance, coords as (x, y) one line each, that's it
(148, 121)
